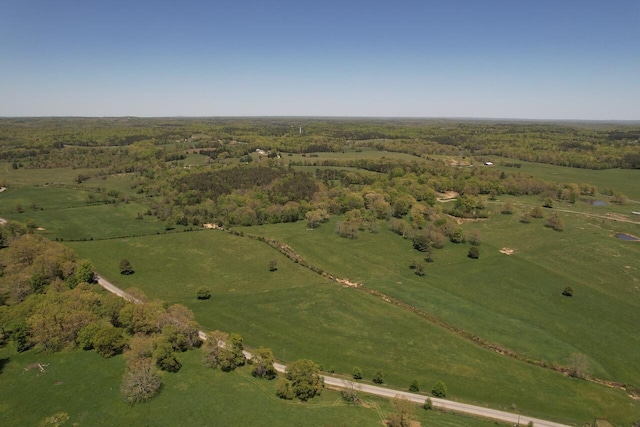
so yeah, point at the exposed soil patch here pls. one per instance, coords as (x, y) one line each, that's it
(507, 251)
(447, 197)
(617, 216)
(212, 226)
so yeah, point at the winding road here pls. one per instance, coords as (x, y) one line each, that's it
(340, 383)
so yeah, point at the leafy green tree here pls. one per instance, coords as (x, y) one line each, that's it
(414, 387)
(356, 374)
(284, 389)
(474, 252)
(377, 378)
(86, 334)
(203, 293)
(84, 272)
(439, 389)
(125, 267)
(108, 341)
(305, 379)
(457, 235)
(567, 291)
(273, 265)
(555, 222)
(165, 356)
(263, 364)
(507, 208)
(428, 404)
(547, 202)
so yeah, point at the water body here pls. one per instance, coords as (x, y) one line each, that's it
(627, 237)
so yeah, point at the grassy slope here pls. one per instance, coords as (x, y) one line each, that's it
(299, 314)
(512, 300)
(86, 387)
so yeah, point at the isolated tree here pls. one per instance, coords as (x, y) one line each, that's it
(474, 252)
(403, 414)
(439, 389)
(554, 222)
(305, 378)
(525, 218)
(421, 242)
(457, 235)
(125, 267)
(474, 237)
(377, 378)
(203, 293)
(547, 202)
(351, 395)
(428, 404)
(414, 386)
(536, 212)
(419, 270)
(567, 291)
(507, 208)
(578, 365)
(141, 381)
(356, 374)
(273, 265)
(263, 364)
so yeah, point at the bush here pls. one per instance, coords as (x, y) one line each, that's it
(474, 252)
(357, 374)
(439, 389)
(414, 386)
(567, 291)
(125, 267)
(203, 293)
(377, 378)
(428, 404)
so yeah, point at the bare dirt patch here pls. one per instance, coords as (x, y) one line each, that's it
(507, 251)
(212, 226)
(40, 229)
(617, 215)
(447, 196)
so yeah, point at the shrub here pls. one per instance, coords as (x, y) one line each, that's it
(377, 378)
(428, 404)
(474, 252)
(203, 293)
(414, 386)
(357, 374)
(567, 291)
(439, 389)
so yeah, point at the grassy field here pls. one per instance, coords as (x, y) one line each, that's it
(624, 180)
(515, 300)
(65, 214)
(300, 314)
(87, 388)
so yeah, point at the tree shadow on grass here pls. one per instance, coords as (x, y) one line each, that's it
(3, 362)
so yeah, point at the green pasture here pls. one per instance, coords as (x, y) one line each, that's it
(86, 387)
(27, 177)
(300, 314)
(515, 300)
(623, 180)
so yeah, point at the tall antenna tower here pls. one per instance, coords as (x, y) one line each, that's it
(300, 130)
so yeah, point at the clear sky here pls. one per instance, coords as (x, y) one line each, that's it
(536, 59)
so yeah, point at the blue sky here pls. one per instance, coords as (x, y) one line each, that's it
(533, 59)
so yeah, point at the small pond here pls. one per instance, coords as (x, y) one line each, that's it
(627, 237)
(593, 202)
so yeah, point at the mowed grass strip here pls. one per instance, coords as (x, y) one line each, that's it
(299, 314)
